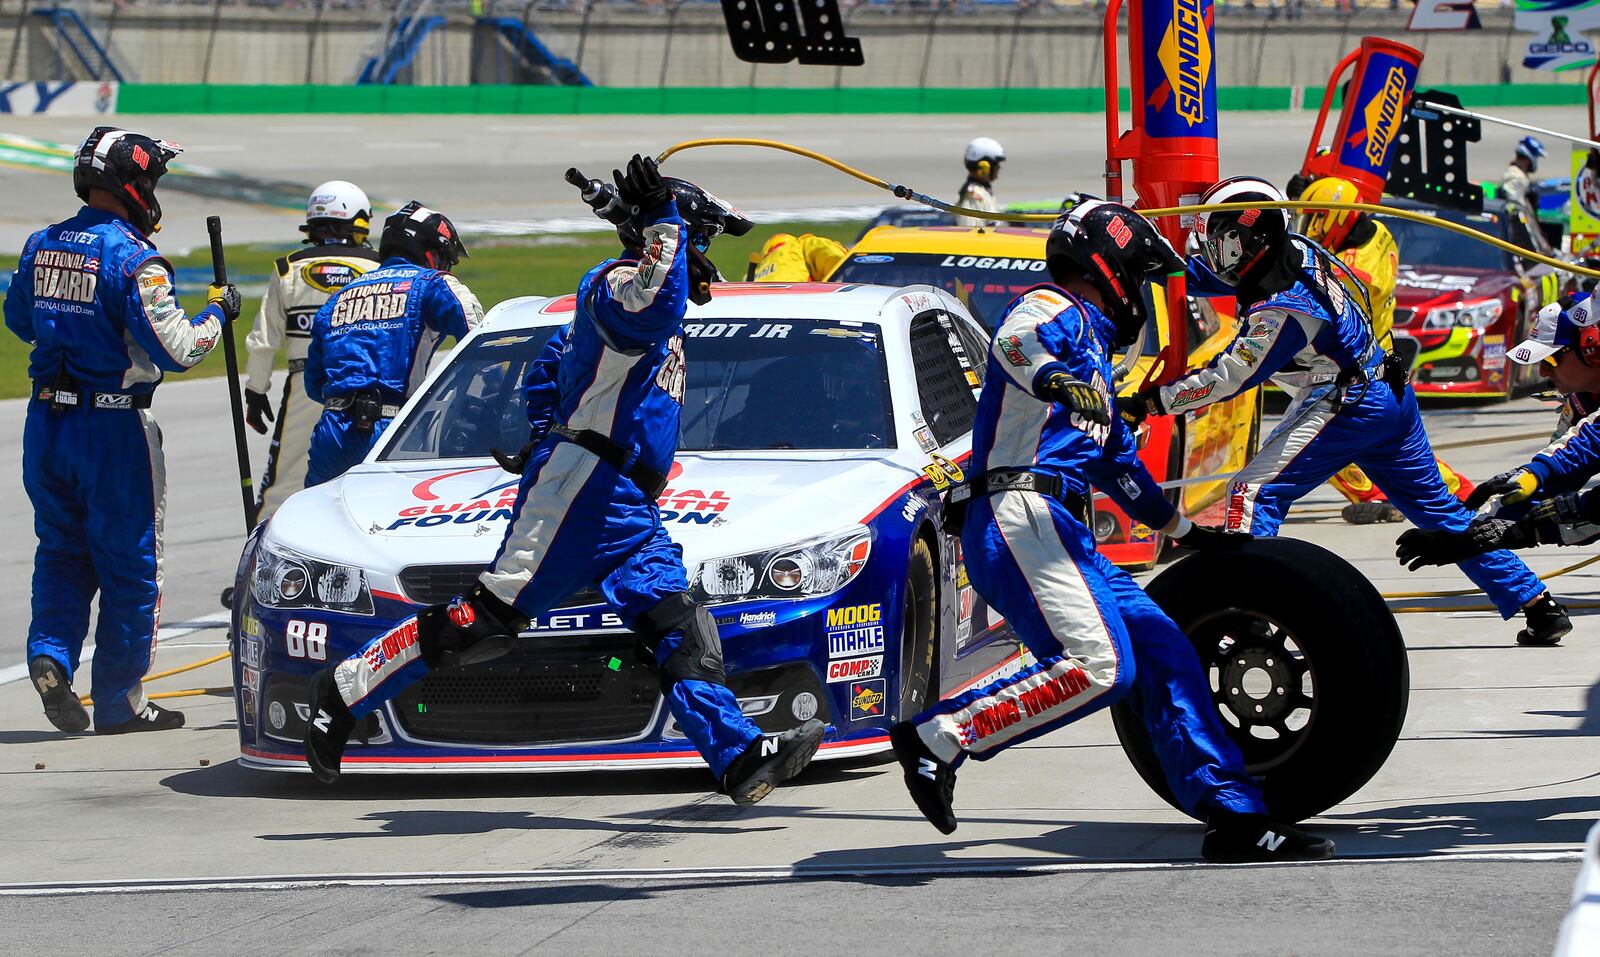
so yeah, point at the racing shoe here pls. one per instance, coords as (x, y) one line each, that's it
(152, 718)
(1257, 839)
(61, 706)
(932, 782)
(1547, 623)
(1371, 513)
(769, 761)
(329, 729)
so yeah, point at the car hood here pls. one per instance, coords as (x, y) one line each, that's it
(389, 515)
(1418, 287)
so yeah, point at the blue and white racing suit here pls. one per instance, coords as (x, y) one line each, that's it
(617, 369)
(374, 340)
(1314, 341)
(95, 300)
(1095, 633)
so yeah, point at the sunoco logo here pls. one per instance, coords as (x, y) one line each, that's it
(1383, 115)
(1186, 58)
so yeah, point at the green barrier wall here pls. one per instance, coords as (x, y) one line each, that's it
(156, 98)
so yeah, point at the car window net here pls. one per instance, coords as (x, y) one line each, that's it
(944, 383)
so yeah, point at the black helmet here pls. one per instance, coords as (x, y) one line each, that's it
(705, 216)
(1118, 251)
(1241, 245)
(423, 236)
(126, 165)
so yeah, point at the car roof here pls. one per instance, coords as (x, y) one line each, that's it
(825, 301)
(1011, 241)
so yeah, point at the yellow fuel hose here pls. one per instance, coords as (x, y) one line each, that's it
(907, 193)
(85, 699)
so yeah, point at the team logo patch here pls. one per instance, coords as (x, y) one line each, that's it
(866, 699)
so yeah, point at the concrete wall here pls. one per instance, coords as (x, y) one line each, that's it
(626, 46)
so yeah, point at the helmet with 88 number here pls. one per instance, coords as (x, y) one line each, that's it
(126, 165)
(422, 236)
(1242, 244)
(1117, 251)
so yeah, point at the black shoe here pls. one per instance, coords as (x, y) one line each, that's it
(329, 729)
(61, 706)
(1371, 513)
(152, 718)
(1547, 623)
(1257, 839)
(932, 782)
(770, 761)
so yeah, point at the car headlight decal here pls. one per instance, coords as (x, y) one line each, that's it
(1480, 314)
(287, 579)
(808, 569)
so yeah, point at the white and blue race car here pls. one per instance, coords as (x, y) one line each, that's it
(820, 424)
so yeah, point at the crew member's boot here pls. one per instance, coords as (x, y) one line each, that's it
(1371, 513)
(932, 782)
(1547, 622)
(771, 760)
(152, 718)
(1256, 839)
(61, 706)
(329, 729)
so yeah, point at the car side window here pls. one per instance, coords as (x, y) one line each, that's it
(947, 380)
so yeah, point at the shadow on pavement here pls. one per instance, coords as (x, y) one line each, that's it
(446, 823)
(597, 893)
(1433, 828)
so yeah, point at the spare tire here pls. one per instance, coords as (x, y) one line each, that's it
(1305, 663)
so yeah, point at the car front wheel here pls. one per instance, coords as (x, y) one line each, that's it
(918, 628)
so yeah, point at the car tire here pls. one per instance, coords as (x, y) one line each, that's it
(918, 632)
(1305, 663)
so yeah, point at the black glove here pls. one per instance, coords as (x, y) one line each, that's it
(1077, 395)
(1419, 547)
(1517, 485)
(1205, 538)
(516, 462)
(257, 410)
(641, 186)
(226, 296)
(1134, 408)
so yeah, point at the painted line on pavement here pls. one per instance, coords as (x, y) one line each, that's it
(680, 875)
(175, 630)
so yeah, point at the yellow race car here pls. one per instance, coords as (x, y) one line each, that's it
(987, 269)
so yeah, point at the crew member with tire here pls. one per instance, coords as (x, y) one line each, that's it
(95, 301)
(371, 342)
(1371, 261)
(338, 218)
(1350, 402)
(609, 391)
(1044, 433)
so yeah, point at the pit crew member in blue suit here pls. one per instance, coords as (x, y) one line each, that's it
(1300, 327)
(370, 343)
(610, 394)
(1044, 434)
(95, 301)
(1538, 501)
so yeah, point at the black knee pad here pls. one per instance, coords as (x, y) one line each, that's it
(699, 657)
(467, 630)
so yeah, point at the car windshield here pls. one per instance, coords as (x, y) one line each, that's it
(749, 385)
(1424, 245)
(986, 284)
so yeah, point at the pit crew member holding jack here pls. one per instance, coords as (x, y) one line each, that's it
(96, 302)
(338, 217)
(371, 342)
(982, 158)
(1372, 260)
(1044, 433)
(586, 507)
(1350, 402)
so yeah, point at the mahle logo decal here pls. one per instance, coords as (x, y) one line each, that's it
(1383, 115)
(1186, 58)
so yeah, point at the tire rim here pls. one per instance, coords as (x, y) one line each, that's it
(1263, 683)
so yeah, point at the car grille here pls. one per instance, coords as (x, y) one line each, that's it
(550, 690)
(433, 584)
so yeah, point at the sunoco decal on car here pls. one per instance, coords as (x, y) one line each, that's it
(855, 630)
(866, 699)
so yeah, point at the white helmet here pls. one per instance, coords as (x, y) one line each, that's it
(336, 203)
(984, 149)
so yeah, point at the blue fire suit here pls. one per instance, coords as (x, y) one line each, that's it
(579, 519)
(1314, 341)
(375, 338)
(1095, 633)
(96, 302)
